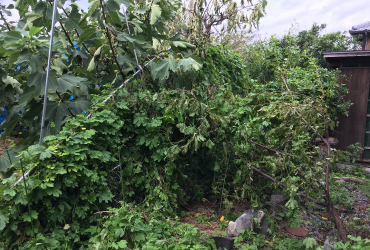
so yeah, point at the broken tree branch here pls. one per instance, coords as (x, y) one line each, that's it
(258, 170)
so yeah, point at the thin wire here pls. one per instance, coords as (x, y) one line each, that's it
(48, 71)
(123, 84)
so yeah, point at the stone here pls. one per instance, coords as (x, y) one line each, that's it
(343, 166)
(328, 245)
(223, 242)
(367, 169)
(351, 187)
(246, 221)
(340, 181)
(276, 203)
(231, 228)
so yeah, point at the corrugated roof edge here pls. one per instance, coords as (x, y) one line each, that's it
(360, 28)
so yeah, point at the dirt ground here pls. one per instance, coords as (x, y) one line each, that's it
(209, 209)
(9, 141)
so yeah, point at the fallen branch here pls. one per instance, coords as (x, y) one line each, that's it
(100, 212)
(350, 179)
(261, 172)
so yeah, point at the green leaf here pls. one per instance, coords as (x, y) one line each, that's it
(182, 44)
(70, 82)
(56, 112)
(124, 37)
(97, 52)
(291, 204)
(59, 63)
(139, 237)
(12, 58)
(155, 13)
(141, 11)
(121, 244)
(9, 125)
(32, 16)
(124, 2)
(36, 63)
(6, 162)
(310, 243)
(63, 39)
(46, 154)
(26, 96)
(38, 79)
(111, 5)
(189, 63)
(72, 22)
(79, 105)
(161, 69)
(88, 32)
(11, 37)
(3, 221)
(91, 64)
(34, 30)
(93, 6)
(125, 59)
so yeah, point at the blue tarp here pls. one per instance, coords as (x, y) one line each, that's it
(2, 118)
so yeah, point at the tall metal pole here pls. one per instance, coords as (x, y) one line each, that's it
(129, 32)
(48, 71)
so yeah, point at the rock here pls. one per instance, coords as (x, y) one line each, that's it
(276, 202)
(340, 181)
(367, 169)
(351, 187)
(317, 234)
(343, 166)
(231, 228)
(246, 221)
(224, 242)
(329, 245)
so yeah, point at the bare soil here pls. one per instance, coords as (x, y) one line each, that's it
(209, 209)
(9, 142)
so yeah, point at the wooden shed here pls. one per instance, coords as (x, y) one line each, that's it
(356, 66)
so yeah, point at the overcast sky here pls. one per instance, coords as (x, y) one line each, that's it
(339, 15)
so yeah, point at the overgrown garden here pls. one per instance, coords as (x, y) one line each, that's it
(199, 122)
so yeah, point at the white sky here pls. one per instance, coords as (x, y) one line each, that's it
(339, 15)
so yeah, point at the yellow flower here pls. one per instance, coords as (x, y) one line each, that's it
(324, 218)
(222, 218)
(83, 128)
(226, 221)
(55, 151)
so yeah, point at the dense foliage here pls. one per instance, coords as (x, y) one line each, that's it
(92, 51)
(172, 149)
(172, 136)
(301, 55)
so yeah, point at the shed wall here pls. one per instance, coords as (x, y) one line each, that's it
(351, 129)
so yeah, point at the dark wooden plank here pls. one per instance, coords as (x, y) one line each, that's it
(351, 129)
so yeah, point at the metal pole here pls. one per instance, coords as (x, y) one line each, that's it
(129, 32)
(47, 72)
